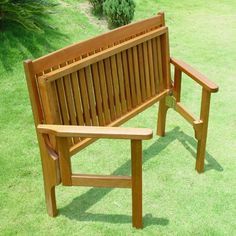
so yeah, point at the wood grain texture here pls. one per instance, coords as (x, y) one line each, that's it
(96, 131)
(96, 43)
(136, 169)
(79, 93)
(110, 51)
(64, 160)
(121, 120)
(195, 75)
(101, 181)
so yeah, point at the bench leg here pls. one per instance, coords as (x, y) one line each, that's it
(50, 169)
(136, 159)
(204, 116)
(50, 198)
(161, 123)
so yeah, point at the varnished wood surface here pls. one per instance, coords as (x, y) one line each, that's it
(195, 75)
(101, 181)
(79, 93)
(96, 132)
(102, 41)
(53, 75)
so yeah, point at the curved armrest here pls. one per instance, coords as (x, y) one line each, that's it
(96, 132)
(195, 75)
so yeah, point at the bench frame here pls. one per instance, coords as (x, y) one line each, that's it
(56, 153)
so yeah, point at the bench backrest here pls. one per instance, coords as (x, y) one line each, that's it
(103, 81)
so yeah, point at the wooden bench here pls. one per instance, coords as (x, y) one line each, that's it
(79, 93)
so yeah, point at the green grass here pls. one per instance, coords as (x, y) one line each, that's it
(177, 200)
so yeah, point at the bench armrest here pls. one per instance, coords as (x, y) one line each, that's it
(96, 132)
(195, 75)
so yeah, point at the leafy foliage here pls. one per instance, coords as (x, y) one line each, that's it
(97, 6)
(27, 13)
(119, 12)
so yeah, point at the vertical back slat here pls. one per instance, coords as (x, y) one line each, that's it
(151, 69)
(84, 95)
(70, 103)
(91, 96)
(131, 77)
(155, 64)
(121, 83)
(70, 100)
(160, 63)
(77, 98)
(116, 86)
(57, 103)
(141, 71)
(136, 75)
(165, 59)
(63, 104)
(146, 69)
(106, 109)
(126, 79)
(62, 101)
(110, 88)
(97, 90)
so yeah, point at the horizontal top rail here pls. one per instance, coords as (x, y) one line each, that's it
(101, 55)
(96, 43)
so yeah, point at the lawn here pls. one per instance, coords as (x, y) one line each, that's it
(176, 200)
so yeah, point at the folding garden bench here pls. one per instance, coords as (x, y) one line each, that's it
(80, 93)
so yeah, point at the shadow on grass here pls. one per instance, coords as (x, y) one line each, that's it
(18, 44)
(77, 208)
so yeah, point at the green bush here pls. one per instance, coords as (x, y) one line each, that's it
(119, 12)
(97, 6)
(28, 13)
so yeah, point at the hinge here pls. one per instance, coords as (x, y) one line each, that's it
(171, 102)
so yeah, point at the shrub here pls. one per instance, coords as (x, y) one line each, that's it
(119, 12)
(27, 13)
(97, 7)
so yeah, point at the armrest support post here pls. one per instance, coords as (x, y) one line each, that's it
(177, 84)
(64, 160)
